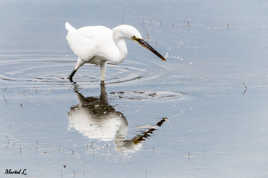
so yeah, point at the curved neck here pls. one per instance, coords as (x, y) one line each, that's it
(120, 42)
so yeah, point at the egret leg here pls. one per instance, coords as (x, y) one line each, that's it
(103, 95)
(79, 63)
(103, 71)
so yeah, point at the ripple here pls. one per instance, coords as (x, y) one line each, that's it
(148, 95)
(52, 71)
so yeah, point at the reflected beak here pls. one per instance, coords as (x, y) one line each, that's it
(146, 45)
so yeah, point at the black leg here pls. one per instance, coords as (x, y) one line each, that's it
(71, 75)
(103, 95)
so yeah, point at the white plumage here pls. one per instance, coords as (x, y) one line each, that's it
(100, 45)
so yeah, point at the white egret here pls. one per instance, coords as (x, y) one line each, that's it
(101, 45)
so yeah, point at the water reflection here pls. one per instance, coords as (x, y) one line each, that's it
(94, 118)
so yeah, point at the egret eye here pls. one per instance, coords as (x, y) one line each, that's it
(134, 38)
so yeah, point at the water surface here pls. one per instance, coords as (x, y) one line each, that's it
(211, 92)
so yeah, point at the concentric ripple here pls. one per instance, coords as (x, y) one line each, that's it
(38, 70)
(49, 72)
(30, 70)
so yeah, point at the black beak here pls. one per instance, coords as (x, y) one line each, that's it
(146, 45)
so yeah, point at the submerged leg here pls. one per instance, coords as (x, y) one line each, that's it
(79, 63)
(103, 70)
(103, 95)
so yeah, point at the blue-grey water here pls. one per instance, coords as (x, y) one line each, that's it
(212, 89)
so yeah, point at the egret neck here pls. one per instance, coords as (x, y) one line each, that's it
(119, 40)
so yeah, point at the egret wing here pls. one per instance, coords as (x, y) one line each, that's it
(102, 37)
(82, 46)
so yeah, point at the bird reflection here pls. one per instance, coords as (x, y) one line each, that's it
(94, 118)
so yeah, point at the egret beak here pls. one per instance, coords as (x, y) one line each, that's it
(146, 45)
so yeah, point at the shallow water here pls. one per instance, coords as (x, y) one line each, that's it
(212, 90)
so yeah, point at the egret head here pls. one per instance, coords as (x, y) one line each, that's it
(130, 32)
(126, 31)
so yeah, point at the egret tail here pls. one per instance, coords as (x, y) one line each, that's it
(69, 27)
